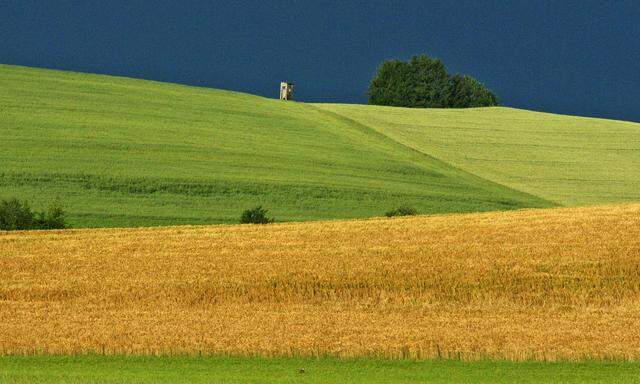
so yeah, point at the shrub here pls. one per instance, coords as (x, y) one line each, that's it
(257, 215)
(402, 211)
(54, 218)
(15, 215)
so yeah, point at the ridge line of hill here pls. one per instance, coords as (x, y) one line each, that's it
(96, 76)
(372, 131)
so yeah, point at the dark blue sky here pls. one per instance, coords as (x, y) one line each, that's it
(574, 57)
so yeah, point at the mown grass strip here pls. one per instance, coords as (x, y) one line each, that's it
(230, 370)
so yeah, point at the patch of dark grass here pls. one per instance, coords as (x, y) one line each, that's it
(402, 211)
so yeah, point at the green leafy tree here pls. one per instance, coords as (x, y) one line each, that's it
(392, 84)
(467, 92)
(423, 82)
(429, 83)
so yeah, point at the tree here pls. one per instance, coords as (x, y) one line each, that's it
(429, 85)
(423, 82)
(467, 92)
(391, 85)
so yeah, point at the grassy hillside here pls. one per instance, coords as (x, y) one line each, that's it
(124, 152)
(531, 284)
(565, 159)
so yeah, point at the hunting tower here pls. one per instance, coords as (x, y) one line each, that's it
(286, 91)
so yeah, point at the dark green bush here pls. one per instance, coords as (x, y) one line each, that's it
(402, 211)
(16, 215)
(257, 215)
(53, 218)
(423, 82)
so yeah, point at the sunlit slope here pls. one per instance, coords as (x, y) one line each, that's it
(124, 152)
(566, 159)
(530, 284)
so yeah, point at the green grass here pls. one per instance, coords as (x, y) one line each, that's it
(124, 152)
(565, 159)
(95, 369)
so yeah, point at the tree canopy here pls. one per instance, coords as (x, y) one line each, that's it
(423, 82)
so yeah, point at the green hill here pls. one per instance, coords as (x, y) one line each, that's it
(565, 159)
(124, 152)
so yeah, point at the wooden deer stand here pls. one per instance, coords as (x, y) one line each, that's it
(286, 91)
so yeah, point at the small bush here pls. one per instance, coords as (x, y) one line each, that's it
(402, 211)
(16, 215)
(257, 215)
(54, 218)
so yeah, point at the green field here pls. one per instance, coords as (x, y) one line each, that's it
(124, 152)
(105, 369)
(565, 159)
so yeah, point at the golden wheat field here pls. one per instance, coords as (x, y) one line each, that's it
(531, 284)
